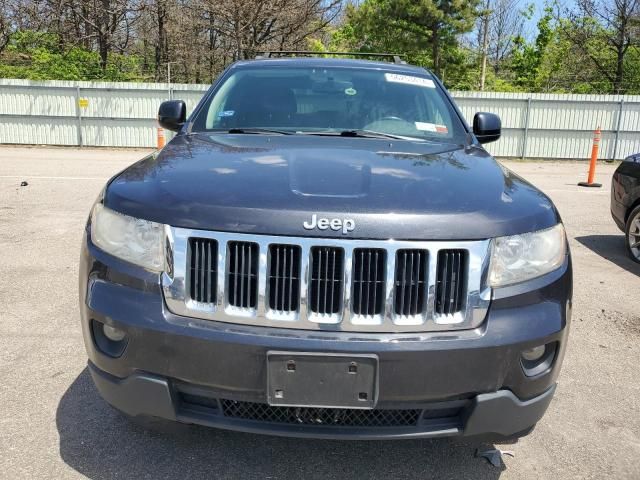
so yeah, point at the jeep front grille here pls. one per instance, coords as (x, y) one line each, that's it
(284, 278)
(411, 279)
(326, 280)
(368, 281)
(242, 275)
(450, 283)
(202, 269)
(327, 284)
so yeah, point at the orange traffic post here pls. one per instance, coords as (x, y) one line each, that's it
(594, 160)
(161, 139)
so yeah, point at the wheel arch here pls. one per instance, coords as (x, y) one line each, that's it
(631, 208)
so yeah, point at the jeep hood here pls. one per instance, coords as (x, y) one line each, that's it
(391, 189)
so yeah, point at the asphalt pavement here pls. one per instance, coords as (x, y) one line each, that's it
(53, 424)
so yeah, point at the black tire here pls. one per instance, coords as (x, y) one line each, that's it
(632, 234)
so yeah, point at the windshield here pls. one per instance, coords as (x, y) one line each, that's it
(331, 100)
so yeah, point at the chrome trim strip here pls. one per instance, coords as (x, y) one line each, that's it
(477, 301)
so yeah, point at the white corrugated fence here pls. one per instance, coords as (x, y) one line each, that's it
(123, 115)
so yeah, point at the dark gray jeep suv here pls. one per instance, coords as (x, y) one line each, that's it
(326, 250)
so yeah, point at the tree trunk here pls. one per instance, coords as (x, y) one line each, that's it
(621, 49)
(617, 86)
(103, 33)
(485, 47)
(161, 56)
(435, 49)
(103, 49)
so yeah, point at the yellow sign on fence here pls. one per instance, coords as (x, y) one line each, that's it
(83, 102)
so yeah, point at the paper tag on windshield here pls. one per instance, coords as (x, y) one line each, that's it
(425, 127)
(431, 127)
(409, 80)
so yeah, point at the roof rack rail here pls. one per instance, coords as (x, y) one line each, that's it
(397, 58)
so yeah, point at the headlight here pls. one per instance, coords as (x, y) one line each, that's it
(522, 257)
(131, 239)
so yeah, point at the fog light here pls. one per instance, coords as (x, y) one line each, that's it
(110, 340)
(538, 360)
(112, 333)
(532, 354)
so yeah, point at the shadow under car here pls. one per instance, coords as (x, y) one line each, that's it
(612, 248)
(101, 443)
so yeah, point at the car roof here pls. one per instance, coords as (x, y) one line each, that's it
(330, 62)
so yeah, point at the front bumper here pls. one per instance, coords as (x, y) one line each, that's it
(475, 377)
(500, 413)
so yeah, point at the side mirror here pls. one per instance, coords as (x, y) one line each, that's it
(486, 127)
(172, 114)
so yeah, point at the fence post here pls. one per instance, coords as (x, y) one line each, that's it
(78, 117)
(526, 129)
(615, 143)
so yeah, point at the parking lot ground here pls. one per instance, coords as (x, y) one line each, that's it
(53, 424)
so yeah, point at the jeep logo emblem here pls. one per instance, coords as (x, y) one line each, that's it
(347, 225)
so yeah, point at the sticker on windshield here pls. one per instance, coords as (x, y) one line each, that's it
(226, 113)
(409, 80)
(350, 91)
(431, 127)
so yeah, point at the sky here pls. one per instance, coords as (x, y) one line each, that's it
(539, 8)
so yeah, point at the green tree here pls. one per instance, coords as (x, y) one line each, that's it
(427, 31)
(527, 58)
(40, 56)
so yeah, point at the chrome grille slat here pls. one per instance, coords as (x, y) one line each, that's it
(276, 284)
(284, 293)
(249, 273)
(375, 278)
(284, 278)
(202, 279)
(333, 277)
(291, 274)
(361, 282)
(196, 277)
(411, 283)
(209, 272)
(326, 277)
(317, 282)
(450, 281)
(235, 277)
(327, 284)
(416, 285)
(367, 289)
(241, 275)
(410, 287)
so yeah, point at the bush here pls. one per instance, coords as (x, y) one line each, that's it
(40, 56)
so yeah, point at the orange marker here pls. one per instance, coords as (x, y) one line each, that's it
(161, 139)
(594, 160)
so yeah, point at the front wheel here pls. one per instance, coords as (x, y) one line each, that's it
(633, 234)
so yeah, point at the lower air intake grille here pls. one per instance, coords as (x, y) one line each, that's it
(203, 278)
(325, 289)
(284, 278)
(367, 297)
(320, 416)
(450, 283)
(242, 274)
(410, 282)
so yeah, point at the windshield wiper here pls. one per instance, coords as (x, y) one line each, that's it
(360, 133)
(371, 134)
(259, 131)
